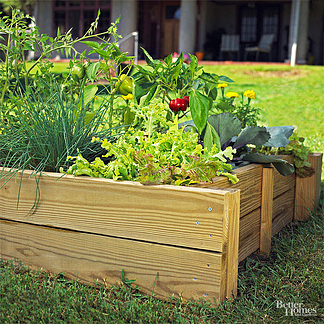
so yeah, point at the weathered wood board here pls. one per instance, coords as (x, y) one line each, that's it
(183, 216)
(84, 226)
(308, 189)
(283, 210)
(266, 210)
(88, 257)
(249, 240)
(250, 181)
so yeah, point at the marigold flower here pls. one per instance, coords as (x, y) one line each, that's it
(249, 94)
(222, 85)
(232, 95)
(128, 97)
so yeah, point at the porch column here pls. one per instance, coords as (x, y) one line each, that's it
(187, 32)
(298, 31)
(128, 21)
(303, 43)
(43, 14)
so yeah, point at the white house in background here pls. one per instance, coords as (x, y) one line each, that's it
(197, 25)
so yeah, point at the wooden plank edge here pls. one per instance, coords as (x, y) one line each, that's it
(229, 270)
(308, 190)
(266, 210)
(283, 210)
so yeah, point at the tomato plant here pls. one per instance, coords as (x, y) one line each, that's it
(77, 71)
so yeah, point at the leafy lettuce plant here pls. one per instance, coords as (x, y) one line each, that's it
(174, 157)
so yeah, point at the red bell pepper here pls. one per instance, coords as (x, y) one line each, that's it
(178, 104)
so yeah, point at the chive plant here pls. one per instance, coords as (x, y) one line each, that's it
(52, 125)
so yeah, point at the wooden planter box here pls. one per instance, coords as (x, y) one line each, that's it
(187, 239)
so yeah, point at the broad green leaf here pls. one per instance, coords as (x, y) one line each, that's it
(193, 63)
(100, 52)
(213, 93)
(224, 78)
(279, 136)
(175, 72)
(150, 95)
(138, 92)
(88, 117)
(91, 44)
(92, 69)
(129, 116)
(28, 47)
(88, 94)
(226, 126)
(208, 77)
(252, 135)
(179, 59)
(148, 58)
(282, 166)
(211, 138)
(168, 59)
(199, 105)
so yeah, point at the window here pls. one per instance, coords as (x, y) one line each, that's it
(257, 20)
(79, 14)
(249, 25)
(270, 21)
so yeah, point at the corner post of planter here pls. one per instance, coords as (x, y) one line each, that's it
(266, 210)
(231, 224)
(308, 190)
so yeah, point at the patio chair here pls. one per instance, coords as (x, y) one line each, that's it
(230, 44)
(264, 46)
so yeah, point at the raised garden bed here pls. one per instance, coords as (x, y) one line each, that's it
(185, 241)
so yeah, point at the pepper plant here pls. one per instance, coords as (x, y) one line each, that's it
(176, 80)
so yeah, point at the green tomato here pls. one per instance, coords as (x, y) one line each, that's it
(125, 85)
(77, 71)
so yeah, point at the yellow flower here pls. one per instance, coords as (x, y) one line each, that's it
(128, 97)
(232, 95)
(222, 85)
(249, 94)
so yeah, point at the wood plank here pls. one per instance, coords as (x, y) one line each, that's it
(283, 210)
(232, 208)
(249, 238)
(283, 183)
(250, 179)
(183, 216)
(182, 272)
(308, 189)
(266, 210)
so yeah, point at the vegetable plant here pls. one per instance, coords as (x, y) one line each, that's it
(176, 82)
(297, 149)
(171, 158)
(225, 130)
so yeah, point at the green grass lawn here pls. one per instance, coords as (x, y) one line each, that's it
(286, 96)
